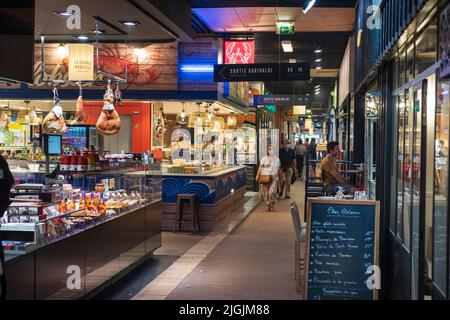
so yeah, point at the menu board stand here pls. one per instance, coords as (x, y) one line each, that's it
(342, 249)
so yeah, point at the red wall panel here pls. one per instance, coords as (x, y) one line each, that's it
(141, 120)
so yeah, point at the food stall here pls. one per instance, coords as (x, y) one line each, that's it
(77, 210)
(206, 146)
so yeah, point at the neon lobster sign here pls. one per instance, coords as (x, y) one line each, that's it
(239, 52)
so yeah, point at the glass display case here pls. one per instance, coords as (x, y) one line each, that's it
(102, 221)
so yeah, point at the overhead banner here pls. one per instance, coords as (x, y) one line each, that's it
(280, 100)
(81, 62)
(261, 72)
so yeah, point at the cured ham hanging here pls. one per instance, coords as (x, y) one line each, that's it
(53, 122)
(108, 122)
(81, 114)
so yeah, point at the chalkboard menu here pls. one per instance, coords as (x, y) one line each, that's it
(342, 247)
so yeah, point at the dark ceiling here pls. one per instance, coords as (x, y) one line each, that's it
(154, 25)
(271, 3)
(332, 44)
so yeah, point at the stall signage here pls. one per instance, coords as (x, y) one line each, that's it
(239, 52)
(81, 62)
(262, 72)
(342, 250)
(280, 100)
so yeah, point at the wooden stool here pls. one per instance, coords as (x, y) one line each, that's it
(192, 199)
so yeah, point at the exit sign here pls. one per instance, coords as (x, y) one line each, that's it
(285, 27)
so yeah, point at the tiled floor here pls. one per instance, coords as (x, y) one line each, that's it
(249, 256)
(255, 261)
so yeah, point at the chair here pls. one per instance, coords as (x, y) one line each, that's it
(300, 259)
(192, 199)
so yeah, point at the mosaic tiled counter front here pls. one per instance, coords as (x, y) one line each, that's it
(218, 195)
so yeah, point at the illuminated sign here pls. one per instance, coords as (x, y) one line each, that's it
(239, 51)
(286, 27)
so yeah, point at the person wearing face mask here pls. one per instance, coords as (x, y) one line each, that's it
(288, 164)
(268, 177)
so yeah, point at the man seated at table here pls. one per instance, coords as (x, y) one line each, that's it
(332, 179)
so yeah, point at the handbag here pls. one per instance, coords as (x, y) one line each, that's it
(264, 179)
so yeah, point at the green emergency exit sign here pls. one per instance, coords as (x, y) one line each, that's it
(285, 28)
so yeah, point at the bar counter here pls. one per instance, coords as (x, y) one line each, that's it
(219, 193)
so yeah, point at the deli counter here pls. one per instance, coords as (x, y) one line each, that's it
(70, 235)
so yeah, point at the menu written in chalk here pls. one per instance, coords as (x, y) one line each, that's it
(342, 246)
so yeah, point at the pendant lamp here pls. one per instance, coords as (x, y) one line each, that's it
(208, 117)
(231, 121)
(183, 118)
(217, 123)
(196, 119)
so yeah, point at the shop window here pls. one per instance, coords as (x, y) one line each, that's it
(441, 188)
(426, 48)
(410, 64)
(395, 74)
(402, 68)
(408, 167)
(401, 166)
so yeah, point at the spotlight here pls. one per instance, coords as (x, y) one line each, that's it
(287, 46)
(309, 6)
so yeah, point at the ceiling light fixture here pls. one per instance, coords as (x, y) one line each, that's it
(82, 37)
(318, 60)
(63, 13)
(318, 51)
(318, 86)
(130, 23)
(318, 68)
(309, 6)
(62, 51)
(287, 46)
(98, 31)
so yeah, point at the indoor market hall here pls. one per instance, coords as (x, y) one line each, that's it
(224, 158)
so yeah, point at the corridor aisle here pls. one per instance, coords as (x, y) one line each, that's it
(255, 261)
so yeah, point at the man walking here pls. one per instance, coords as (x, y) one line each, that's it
(287, 159)
(6, 182)
(300, 151)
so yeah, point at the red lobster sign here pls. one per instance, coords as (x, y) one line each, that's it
(239, 52)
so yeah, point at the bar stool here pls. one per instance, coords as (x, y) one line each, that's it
(192, 199)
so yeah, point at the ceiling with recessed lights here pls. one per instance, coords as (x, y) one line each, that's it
(152, 24)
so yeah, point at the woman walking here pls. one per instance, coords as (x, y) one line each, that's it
(268, 177)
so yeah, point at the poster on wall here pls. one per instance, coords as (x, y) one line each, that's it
(159, 125)
(146, 66)
(81, 62)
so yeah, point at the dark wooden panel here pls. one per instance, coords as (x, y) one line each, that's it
(20, 278)
(52, 262)
(153, 222)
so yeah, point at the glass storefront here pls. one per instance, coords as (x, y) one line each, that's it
(440, 199)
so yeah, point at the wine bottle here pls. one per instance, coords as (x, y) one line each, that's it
(91, 205)
(83, 201)
(101, 205)
(62, 204)
(70, 203)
